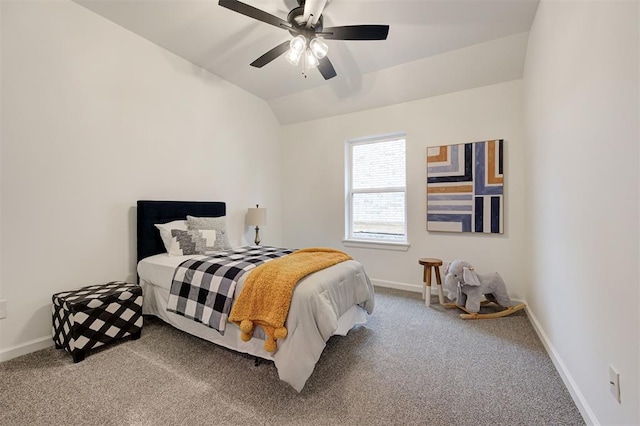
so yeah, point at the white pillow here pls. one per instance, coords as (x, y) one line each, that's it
(192, 241)
(219, 224)
(165, 231)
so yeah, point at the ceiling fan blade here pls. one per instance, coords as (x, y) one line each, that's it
(254, 13)
(312, 11)
(271, 55)
(326, 68)
(356, 32)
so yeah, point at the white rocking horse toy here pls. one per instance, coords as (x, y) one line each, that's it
(467, 288)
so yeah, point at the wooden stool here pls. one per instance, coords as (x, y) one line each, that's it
(428, 263)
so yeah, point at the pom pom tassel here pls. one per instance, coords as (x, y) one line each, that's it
(280, 333)
(270, 344)
(246, 327)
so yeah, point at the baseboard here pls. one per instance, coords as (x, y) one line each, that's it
(26, 348)
(579, 399)
(399, 286)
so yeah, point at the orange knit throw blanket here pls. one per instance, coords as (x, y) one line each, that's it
(267, 292)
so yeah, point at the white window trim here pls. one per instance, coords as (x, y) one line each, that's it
(349, 241)
(376, 244)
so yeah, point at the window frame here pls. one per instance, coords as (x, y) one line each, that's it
(351, 240)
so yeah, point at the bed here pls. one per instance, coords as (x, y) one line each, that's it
(329, 302)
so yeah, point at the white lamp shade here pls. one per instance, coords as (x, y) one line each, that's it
(293, 56)
(312, 61)
(296, 49)
(297, 44)
(257, 216)
(319, 48)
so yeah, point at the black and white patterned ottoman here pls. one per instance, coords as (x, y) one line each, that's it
(92, 316)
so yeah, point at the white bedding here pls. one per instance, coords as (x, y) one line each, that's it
(323, 304)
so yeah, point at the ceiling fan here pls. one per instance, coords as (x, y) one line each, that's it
(305, 24)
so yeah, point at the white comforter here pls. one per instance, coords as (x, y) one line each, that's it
(323, 304)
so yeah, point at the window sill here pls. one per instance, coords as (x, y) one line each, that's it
(378, 245)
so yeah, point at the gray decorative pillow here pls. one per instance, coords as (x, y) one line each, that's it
(192, 242)
(218, 224)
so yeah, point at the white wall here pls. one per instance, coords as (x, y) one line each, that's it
(314, 189)
(95, 118)
(581, 115)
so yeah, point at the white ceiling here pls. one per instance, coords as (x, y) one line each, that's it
(421, 32)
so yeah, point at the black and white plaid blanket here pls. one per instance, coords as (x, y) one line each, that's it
(203, 286)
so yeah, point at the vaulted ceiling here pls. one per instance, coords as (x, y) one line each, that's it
(433, 47)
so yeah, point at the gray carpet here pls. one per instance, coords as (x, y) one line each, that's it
(408, 365)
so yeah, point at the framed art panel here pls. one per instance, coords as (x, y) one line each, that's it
(465, 185)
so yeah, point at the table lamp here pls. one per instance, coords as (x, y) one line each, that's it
(257, 217)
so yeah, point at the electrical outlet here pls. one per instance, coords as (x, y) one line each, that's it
(614, 383)
(3, 309)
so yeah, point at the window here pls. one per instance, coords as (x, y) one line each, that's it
(376, 201)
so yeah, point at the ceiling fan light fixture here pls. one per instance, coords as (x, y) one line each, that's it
(293, 56)
(319, 48)
(297, 47)
(298, 44)
(311, 59)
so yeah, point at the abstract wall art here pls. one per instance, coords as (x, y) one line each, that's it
(465, 187)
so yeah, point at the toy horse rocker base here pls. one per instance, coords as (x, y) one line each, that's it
(468, 289)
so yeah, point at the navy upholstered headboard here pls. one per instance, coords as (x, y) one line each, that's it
(152, 212)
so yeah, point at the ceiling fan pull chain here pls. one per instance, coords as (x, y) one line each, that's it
(304, 65)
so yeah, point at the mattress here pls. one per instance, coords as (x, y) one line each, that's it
(158, 270)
